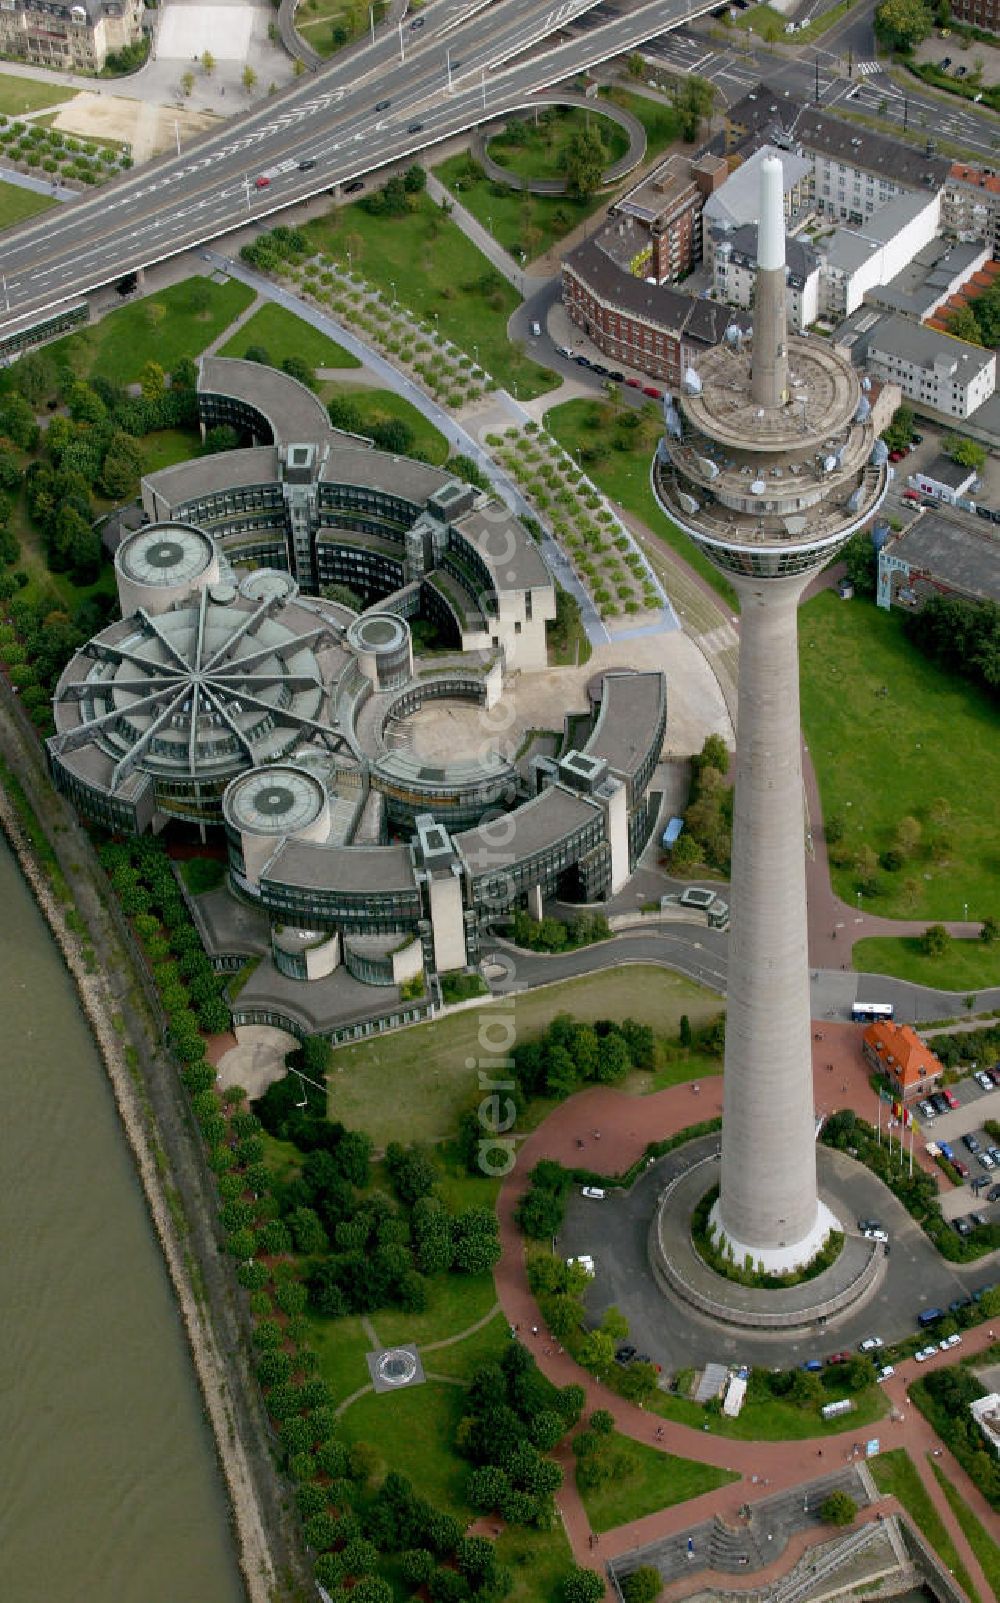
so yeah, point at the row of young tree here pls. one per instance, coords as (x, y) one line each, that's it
(569, 1054)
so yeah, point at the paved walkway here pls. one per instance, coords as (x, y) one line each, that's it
(763, 1467)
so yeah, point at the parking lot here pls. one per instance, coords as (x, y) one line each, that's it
(960, 1133)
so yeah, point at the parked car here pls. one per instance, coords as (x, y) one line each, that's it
(987, 1160)
(652, 391)
(949, 1342)
(594, 1191)
(870, 1344)
(926, 1108)
(961, 72)
(950, 1098)
(813, 1364)
(634, 383)
(960, 1168)
(925, 1353)
(977, 1220)
(993, 1194)
(885, 1373)
(984, 512)
(600, 369)
(970, 1143)
(929, 1316)
(354, 187)
(619, 378)
(984, 1078)
(897, 455)
(963, 1227)
(995, 1155)
(944, 64)
(912, 497)
(583, 361)
(916, 439)
(946, 1151)
(840, 1358)
(625, 1353)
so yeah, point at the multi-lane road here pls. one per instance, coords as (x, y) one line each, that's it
(456, 64)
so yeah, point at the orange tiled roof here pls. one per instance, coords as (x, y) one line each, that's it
(976, 176)
(900, 1048)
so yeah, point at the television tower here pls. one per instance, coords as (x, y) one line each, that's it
(769, 461)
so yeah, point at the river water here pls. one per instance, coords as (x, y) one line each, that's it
(109, 1488)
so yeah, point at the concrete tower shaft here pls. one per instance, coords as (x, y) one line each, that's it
(769, 368)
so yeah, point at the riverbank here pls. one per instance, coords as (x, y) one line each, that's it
(70, 893)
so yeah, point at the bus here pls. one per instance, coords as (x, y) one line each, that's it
(867, 1012)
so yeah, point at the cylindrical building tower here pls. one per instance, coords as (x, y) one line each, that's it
(769, 462)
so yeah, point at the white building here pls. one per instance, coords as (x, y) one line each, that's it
(734, 252)
(948, 481)
(856, 260)
(737, 201)
(971, 204)
(941, 373)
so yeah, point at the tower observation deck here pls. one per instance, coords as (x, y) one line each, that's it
(769, 462)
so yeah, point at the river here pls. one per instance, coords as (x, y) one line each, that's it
(109, 1488)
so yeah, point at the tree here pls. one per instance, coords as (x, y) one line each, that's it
(900, 431)
(838, 1509)
(415, 179)
(964, 324)
(187, 82)
(477, 1242)
(613, 1061)
(208, 63)
(686, 1036)
(694, 98)
(967, 453)
(990, 930)
(222, 438)
(152, 381)
(121, 466)
(597, 1352)
(249, 78)
(298, 368)
(908, 833)
(585, 161)
(199, 297)
(345, 413)
(155, 315)
(583, 1586)
(540, 1213)
(902, 24)
(935, 941)
(644, 1585)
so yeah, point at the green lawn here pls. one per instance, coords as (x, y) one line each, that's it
(18, 95)
(772, 1419)
(987, 1551)
(657, 117)
(439, 275)
(377, 406)
(583, 426)
(539, 1562)
(659, 1480)
(341, 1345)
(167, 446)
(413, 1431)
(880, 758)
(324, 23)
(541, 150)
(463, 1358)
(16, 204)
(677, 1071)
(967, 965)
(529, 223)
(453, 1303)
(283, 334)
(412, 1085)
(119, 345)
(896, 1474)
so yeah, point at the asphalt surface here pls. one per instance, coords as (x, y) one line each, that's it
(446, 71)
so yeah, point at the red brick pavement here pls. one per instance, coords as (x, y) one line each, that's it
(626, 1124)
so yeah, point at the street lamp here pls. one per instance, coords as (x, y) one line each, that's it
(965, 911)
(371, 19)
(859, 901)
(392, 286)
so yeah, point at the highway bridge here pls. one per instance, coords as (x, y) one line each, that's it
(457, 64)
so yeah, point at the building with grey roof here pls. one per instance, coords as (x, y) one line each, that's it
(937, 271)
(940, 553)
(737, 200)
(945, 377)
(734, 266)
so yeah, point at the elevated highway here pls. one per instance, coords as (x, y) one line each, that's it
(409, 91)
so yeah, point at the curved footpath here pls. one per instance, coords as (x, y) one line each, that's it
(763, 1467)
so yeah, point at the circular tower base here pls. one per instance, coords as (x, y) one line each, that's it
(778, 1260)
(681, 1272)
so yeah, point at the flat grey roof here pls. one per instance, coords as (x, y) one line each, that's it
(295, 414)
(913, 342)
(505, 546)
(354, 869)
(396, 475)
(631, 707)
(801, 257)
(962, 551)
(934, 272)
(536, 827)
(208, 475)
(738, 199)
(949, 473)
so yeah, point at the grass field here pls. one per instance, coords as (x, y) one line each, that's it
(16, 204)
(439, 275)
(966, 966)
(772, 1420)
(624, 475)
(659, 1480)
(453, 1303)
(283, 334)
(414, 1431)
(18, 95)
(412, 1085)
(119, 346)
(979, 1539)
(377, 406)
(529, 223)
(657, 117)
(323, 23)
(167, 446)
(541, 153)
(341, 1345)
(896, 1474)
(463, 1358)
(889, 734)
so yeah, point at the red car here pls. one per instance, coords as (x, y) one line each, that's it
(263, 182)
(960, 1168)
(634, 383)
(896, 456)
(913, 496)
(950, 1097)
(839, 1358)
(651, 390)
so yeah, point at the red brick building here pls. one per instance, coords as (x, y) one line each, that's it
(981, 13)
(650, 327)
(665, 209)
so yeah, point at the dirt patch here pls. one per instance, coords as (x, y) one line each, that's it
(149, 129)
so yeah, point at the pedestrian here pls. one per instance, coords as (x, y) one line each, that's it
(591, 1540)
(819, 1452)
(534, 1330)
(696, 1088)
